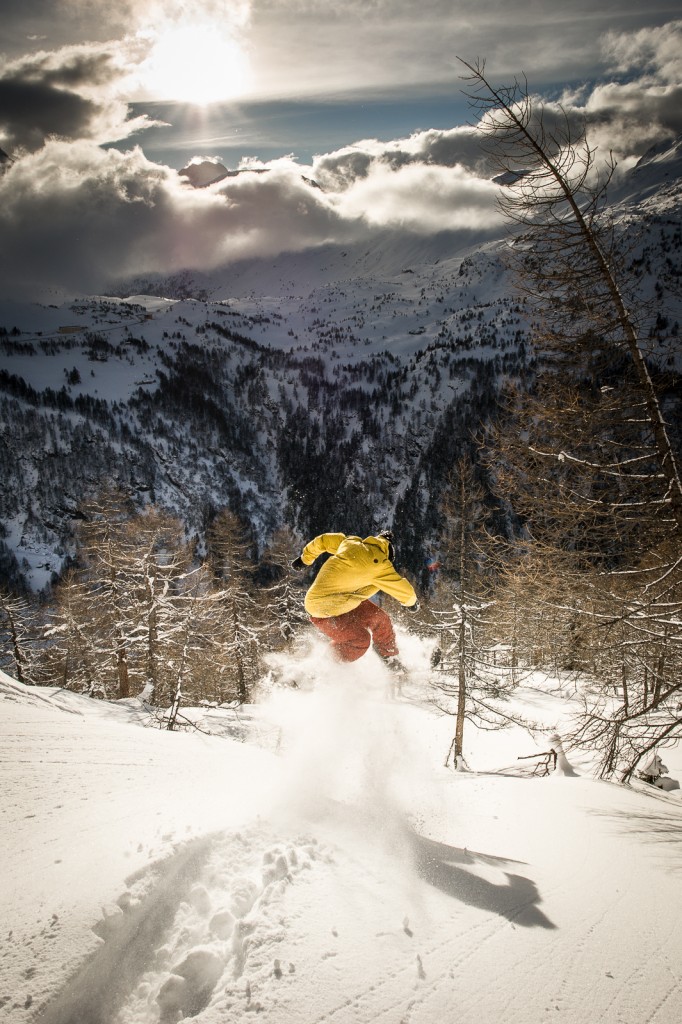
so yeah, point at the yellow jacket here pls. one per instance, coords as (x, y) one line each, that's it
(357, 570)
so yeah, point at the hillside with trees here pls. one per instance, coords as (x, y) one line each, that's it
(511, 409)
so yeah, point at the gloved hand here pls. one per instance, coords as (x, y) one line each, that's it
(413, 607)
(298, 564)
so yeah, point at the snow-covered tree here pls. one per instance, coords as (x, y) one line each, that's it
(17, 636)
(228, 558)
(160, 565)
(283, 593)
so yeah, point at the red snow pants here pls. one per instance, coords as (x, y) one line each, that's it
(353, 632)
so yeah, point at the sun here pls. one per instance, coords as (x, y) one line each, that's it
(195, 64)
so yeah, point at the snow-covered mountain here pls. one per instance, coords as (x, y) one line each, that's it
(329, 389)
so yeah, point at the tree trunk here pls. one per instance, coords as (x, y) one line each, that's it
(152, 644)
(461, 701)
(175, 706)
(241, 678)
(16, 646)
(122, 667)
(461, 674)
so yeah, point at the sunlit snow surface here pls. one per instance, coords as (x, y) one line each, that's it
(314, 861)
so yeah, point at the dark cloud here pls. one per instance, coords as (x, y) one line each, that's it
(32, 111)
(68, 94)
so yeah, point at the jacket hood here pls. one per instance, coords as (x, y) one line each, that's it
(381, 542)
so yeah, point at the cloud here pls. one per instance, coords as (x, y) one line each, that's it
(69, 21)
(324, 47)
(623, 117)
(81, 217)
(423, 199)
(72, 93)
(656, 50)
(637, 106)
(640, 104)
(628, 116)
(456, 147)
(78, 217)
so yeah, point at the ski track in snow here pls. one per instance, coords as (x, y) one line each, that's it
(214, 903)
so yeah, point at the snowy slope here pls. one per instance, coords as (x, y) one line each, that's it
(83, 389)
(428, 327)
(327, 869)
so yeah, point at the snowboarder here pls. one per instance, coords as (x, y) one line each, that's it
(338, 602)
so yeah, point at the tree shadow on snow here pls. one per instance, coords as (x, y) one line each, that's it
(651, 826)
(452, 871)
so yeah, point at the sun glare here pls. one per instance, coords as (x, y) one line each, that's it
(196, 64)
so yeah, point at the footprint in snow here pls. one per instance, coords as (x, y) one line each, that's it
(200, 900)
(244, 895)
(190, 986)
(221, 924)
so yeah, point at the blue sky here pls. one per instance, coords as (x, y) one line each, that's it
(101, 104)
(303, 128)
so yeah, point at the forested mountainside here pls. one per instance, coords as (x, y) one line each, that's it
(328, 390)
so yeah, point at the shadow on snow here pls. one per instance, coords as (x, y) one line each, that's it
(445, 868)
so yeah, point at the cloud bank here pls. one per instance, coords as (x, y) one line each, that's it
(643, 104)
(79, 216)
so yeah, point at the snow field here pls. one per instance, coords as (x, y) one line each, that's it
(347, 878)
